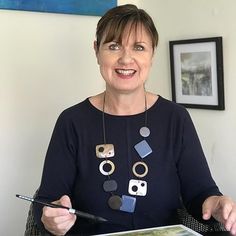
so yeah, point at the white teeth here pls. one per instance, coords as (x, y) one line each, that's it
(125, 72)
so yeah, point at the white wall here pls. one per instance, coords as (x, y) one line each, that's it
(47, 64)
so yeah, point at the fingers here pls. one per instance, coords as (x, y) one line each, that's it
(58, 220)
(230, 223)
(223, 209)
(228, 207)
(208, 207)
(206, 215)
(65, 201)
(60, 225)
(226, 210)
(206, 212)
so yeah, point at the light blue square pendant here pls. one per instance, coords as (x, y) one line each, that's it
(128, 204)
(143, 148)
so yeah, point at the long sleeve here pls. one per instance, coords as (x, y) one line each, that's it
(60, 165)
(196, 181)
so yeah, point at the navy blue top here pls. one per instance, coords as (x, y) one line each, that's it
(177, 169)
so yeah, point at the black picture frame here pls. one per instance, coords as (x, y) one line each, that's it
(197, 77)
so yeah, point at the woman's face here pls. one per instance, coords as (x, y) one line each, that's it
(125, 66)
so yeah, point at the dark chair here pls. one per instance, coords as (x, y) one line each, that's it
(184, 217)
(31, 226)
(189, 221)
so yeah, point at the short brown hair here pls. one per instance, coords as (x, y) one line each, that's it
(113, 23)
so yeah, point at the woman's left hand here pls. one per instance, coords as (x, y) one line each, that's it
(223, 209)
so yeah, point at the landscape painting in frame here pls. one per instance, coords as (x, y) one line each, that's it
(78, 7)
(197, 72)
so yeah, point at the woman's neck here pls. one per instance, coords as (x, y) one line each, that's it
(124, 104)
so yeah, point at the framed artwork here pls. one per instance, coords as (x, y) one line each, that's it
(197, 73)
(79, 7)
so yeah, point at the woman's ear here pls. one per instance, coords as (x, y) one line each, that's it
(95, 46)
(153, 55)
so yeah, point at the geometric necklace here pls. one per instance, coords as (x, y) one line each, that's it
(137, 186)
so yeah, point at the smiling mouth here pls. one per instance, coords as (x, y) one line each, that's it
(127, 72)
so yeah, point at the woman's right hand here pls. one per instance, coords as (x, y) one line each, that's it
(58, 221)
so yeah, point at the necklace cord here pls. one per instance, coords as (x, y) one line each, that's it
(103, 119)
(145, 122)
(103, 116)
(104, 126)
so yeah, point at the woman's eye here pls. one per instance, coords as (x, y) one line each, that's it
(138, 47)
(114, 46)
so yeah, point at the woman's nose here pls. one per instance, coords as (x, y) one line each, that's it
(126, 57)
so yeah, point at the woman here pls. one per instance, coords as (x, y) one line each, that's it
(127, 155)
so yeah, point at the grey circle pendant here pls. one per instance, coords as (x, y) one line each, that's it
(144, 132)
(115, 202)
(110, 185)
